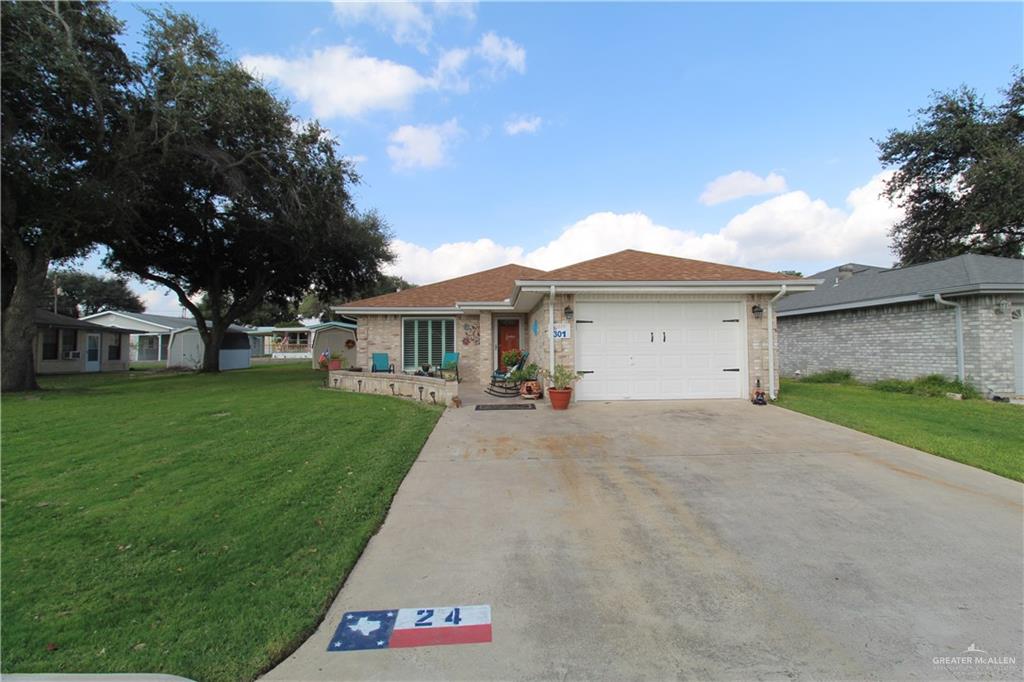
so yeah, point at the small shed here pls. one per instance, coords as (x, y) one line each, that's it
(338, 338)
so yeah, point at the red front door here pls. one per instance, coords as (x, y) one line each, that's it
(508, 339)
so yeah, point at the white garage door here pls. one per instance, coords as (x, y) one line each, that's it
(652, 351)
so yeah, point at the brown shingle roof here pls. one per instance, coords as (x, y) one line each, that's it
(640, 266)
(625, 266)
(490, 285)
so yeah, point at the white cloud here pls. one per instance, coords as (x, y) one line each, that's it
(449, 72)
(422, 146)
(741, 184)
(523, 124)
(791, 231)
(502, 54)
(425, 265)
(405, 22)
(793, 227)
(341, 81)
(457, 8)
(357, 159)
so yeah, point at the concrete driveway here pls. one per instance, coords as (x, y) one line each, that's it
(708, 539)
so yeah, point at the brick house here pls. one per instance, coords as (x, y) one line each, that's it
(960, 317)
(640, 325)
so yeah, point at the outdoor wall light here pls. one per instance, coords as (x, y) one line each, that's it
(758, 311)
(568, 312)
(1002, 306)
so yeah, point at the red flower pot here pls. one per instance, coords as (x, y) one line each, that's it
(559, 398)
(334, 364)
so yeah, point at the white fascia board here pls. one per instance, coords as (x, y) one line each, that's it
(128, 317)
(378, 310)
(750, 286)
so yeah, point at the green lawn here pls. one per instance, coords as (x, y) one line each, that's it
(190, 524)
(981, 433)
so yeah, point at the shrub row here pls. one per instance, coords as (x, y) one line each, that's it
(932, 385)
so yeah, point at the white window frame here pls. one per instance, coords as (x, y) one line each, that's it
(415, 337)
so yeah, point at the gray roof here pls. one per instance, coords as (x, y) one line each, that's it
(870, 285)
(45, 318)
(170, 321)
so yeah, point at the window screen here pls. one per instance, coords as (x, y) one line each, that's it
(68, 340)
(51, 342)
(114, 349)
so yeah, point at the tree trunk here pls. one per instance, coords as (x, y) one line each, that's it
(212, 341)
(19, 325)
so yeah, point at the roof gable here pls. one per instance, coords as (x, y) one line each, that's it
(489, 285)
(641, 266)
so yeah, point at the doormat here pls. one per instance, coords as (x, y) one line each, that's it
(400, 628)
(510, 406)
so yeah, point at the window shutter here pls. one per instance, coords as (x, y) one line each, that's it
(449, 335)
(436, 341)
(409, 343)
(422, 342)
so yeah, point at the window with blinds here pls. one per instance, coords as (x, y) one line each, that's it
(425, 341)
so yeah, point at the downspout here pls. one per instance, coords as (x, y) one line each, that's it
(959, 335)
(771, 342)
(551, 330)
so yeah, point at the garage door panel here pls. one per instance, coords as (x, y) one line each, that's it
(647, 351)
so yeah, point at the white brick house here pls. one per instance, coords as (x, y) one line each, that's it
(960, 317)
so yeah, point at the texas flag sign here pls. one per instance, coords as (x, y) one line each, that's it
(399, 628)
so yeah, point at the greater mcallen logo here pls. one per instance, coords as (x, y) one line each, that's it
(972, 655)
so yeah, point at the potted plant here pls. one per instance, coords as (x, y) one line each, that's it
(560, 389)
(511, 358)
(529, 387)
(331, 363)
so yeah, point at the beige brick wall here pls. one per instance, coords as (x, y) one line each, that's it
(540, 345)
(378, 334)
(472, 334)
(757, 343)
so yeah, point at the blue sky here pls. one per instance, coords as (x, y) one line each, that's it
(548, 133)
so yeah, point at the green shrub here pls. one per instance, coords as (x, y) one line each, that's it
(933, 385)
(835, 376)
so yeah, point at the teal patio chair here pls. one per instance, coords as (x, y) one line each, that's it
(449, 363)
(381, 364)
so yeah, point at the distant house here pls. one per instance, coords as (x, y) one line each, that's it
(66, 345)
(175, 341)
(306, 341)
(961, 317)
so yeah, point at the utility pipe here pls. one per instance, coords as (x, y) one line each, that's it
(959, 335)
(771, 342)
(551, 330)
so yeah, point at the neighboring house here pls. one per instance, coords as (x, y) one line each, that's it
(641, 326)
(960, 317)
(175, 341)
(306, 341)
(66, 345)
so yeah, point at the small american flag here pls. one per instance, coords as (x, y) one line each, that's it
(326, 355)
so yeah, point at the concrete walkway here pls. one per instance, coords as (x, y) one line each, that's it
(711, 540)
